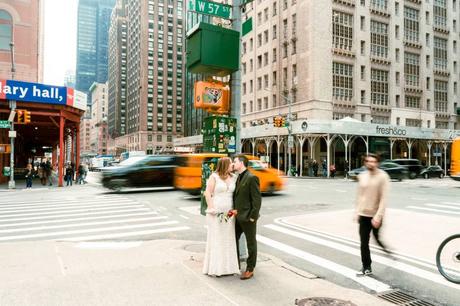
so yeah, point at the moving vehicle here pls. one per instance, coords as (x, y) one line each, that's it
(413, 166)
(432, 171)
(126, 155)
(448, 258)
(395, 171)
(141, 171)
(188, 173)
(455, 160)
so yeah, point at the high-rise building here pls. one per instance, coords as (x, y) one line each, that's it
(69, 78)
(155, 74)
(99, 131)
(92, 42)
(118, 69)
(21, 22)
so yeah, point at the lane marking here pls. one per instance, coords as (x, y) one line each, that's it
(193, 210)
(79, 214)
(435, 210)
(78, 219)
(5, 217)
(186, 218)
(93, 230)
(65, 207)
(340, 190)
(20, 200)
(68, 203)
(367, 282)
(434, 277)
(44, 228)
(124, 235)
(451, 203)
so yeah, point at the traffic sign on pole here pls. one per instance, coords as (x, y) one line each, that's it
(4, 124)
(211, 8)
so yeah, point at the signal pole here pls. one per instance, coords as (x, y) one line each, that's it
(236, 77)
(11, 183)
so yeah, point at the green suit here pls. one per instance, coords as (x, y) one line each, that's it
(247, 201)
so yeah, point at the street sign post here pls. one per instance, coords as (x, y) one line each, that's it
(4, 124)
(211, 8)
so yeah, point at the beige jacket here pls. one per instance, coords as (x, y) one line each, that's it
(372, 193)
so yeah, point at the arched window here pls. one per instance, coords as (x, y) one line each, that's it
(6, 30)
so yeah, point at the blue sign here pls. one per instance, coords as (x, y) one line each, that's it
(33, 92)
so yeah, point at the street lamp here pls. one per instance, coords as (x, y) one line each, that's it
(290, 138)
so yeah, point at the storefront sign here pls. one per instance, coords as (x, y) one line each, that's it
(390, 131)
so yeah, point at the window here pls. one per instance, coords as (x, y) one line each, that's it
(381, 5)
(159, 138)
(411, 69)
(274, 55)
(363, 47)
(363, 96)
(440, 13)
(294, 25)
(428, 82)
(363, 73)
(397, 55)
(274, 32)
(440, 96)
(379, 87)
(440, 53)
(274, 78)
(413, 122)
(342, 81)
(398, 100)
(362, 23)
(411, 24)
(441, 124)
(342, 33)
(379, 39)
(412, 102)
(274, 8)
(398, 78)
(6, 30)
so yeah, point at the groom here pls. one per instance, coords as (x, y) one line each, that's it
(246, 202)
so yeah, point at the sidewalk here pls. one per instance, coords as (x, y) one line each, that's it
(159, 272)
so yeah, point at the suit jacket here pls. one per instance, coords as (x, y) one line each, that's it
(247, 198)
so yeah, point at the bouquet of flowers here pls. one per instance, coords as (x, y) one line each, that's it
(225, 216)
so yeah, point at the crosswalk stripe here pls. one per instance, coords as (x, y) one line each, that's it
(434, 277)
(443, 206)
(124, 235)
(12, 201)
(78, 214)
(95, 230)
(451, 203)
(435, 210)
(52, 202)
(153, 213)
(70, 210)
(368, 282)
(64, 206)
(24, 229)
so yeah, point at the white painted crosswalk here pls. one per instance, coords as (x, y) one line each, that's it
(443, 208)
(82, 218)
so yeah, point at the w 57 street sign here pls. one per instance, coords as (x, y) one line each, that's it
(211, 8)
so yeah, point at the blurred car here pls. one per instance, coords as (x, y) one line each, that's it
(412, 165)
(432, 171)
(141, 171)
(188, 173)
(395, 171)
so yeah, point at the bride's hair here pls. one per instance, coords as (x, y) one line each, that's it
(223, 165)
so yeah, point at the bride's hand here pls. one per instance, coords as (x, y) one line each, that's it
(211, 211)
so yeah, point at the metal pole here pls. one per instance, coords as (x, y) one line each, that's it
(290, 143)
(11, 183)
(236, 77)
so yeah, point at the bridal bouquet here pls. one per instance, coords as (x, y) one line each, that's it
(225, 216)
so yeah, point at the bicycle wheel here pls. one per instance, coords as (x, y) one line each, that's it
(448, 258)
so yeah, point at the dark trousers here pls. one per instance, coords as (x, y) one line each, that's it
(249, 229)
(28, 182)
(365, 228)
(68, 179)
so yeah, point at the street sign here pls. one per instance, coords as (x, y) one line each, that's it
(211, 8)
(12, 134)
(437, 154)
(290, 142)
(4, 124)
(247, 27)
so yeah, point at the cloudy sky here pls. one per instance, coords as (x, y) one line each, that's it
(60, 39)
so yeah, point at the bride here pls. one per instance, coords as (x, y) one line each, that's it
(221, 254)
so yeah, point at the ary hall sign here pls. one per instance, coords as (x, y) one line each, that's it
(38, 93)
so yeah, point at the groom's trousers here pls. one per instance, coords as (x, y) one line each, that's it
(249, 229)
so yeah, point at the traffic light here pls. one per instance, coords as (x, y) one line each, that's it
(283, 122)
(20, 113)
(26, 117)
(275, 121)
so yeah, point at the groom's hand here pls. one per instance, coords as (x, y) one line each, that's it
(234, 212)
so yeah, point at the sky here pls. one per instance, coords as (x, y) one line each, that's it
(60, 39)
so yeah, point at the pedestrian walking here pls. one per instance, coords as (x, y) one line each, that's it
(49, 172)
(324, 167)
(315, 168)
(332, 169)
(69, 174)
(29, 174)
(373, 187)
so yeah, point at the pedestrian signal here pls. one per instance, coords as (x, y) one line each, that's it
(26, 117)
(212, 96)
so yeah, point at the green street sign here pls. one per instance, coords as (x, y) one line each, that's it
(4, 124)
(211, 8)
(247, 26)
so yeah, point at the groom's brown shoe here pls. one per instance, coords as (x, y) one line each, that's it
(247, 275)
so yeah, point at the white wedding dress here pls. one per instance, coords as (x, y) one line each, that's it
(221, 256)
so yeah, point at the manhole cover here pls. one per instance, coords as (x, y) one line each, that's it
(323, 301)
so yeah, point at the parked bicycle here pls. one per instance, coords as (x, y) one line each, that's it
(448, 258)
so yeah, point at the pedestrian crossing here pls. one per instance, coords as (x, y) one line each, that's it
(443, 208)
(80, 218)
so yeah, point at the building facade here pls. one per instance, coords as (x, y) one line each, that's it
(21, 22)
(118, 70)
(92, 42)
(155, 75)
(99, 130)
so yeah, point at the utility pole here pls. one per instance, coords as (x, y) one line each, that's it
(11, 183)
(236, 77)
